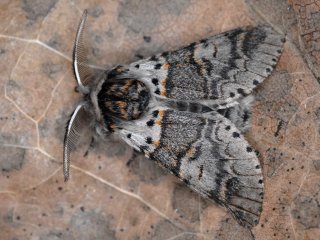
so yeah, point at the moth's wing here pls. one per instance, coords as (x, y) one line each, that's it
(216, 70)
(208, 153)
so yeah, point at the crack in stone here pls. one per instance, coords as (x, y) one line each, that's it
(37, 42)
(42, 181)
(50, 101)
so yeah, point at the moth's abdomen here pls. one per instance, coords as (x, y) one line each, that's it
(125, 99)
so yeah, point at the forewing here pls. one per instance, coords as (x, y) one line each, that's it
(216, 70)
(208, 153)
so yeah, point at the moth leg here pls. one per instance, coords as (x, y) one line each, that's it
(91, 145)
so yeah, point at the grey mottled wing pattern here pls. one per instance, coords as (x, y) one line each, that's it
(180, 109)
(186, 128)
(208, 153)
(214, 71)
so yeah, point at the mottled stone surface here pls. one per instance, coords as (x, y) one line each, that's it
(308, 16)
(300, 20)
(114, 193)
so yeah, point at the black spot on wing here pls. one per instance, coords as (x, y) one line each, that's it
(149, 140)
(241, 91)
(155, 81)
(155, 113)
(157, 66)
(246, 115)
(154, 58)
(164, 54)
(235, 135)
(204, 43)
(200, 172)
(255, 82)
(150, 123)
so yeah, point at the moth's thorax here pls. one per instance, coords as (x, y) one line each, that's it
(124, 99)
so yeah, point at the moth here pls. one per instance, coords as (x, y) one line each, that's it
(186, 110)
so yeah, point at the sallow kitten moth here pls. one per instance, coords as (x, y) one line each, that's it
(185, 110)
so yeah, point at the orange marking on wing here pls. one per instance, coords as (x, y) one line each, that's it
(156, 143)
(165, 66)
(160, 116)
(163, 88)
(190, 152)
(159, 122)
(161, 113)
